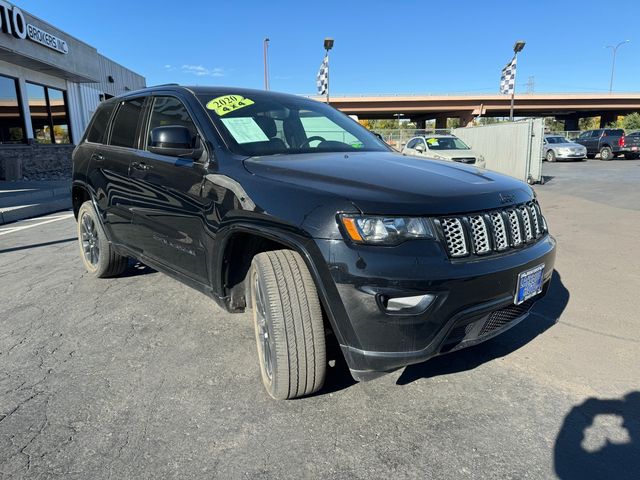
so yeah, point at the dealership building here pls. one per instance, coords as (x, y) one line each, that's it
(50, 85)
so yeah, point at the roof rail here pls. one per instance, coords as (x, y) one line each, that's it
(165, 85)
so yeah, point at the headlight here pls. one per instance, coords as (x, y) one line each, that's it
(385, 230)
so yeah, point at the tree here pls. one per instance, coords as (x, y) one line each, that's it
(631, 122)
(589, 123)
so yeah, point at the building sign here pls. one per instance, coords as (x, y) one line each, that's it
(13, 22)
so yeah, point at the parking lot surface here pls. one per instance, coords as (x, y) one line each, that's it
(142, 377)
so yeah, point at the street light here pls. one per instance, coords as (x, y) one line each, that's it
(328, 45)
(517, 48)
(266, 63)
(613, 63)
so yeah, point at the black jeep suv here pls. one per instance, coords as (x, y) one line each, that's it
(286, 206)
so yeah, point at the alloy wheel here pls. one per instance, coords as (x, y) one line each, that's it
(89, 233)
(262, 329)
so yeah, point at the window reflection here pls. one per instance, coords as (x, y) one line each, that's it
(48, 114)
(11, 124)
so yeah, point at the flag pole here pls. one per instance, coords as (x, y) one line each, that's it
(517, 47)
(327, 56)
(328, 45)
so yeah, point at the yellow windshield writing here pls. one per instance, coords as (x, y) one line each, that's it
(228, 103)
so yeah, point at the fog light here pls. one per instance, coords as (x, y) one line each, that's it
(416, 304)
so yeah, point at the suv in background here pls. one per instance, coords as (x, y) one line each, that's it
(608, 142)
(285, 206)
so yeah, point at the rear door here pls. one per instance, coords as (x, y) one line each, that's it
(109, 170)
(168, 213)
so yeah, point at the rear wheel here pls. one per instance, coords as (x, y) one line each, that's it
(606, 153)
(551, 156)
(96, 252)
(288, 325)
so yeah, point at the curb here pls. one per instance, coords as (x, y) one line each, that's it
(22, 212)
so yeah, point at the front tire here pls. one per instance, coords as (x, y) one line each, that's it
(288, 325)
(551, 156)
(96, 252)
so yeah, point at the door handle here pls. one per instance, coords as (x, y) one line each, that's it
(140, 166)
(98, 157)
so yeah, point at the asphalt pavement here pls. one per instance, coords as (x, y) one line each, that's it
(141, 377)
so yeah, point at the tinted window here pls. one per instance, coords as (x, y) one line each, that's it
(616, 132)
(48, 110)
(170, 111)
(11, 124)
(596, 133)
(412, 143)
(125, 124)
(99, 124)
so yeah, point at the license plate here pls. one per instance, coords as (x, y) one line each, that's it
(634, 148)
(529, 284)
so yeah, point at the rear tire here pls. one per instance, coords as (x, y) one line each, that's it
(96, 252)
(606, 153)
(551, 156)
(288, 324)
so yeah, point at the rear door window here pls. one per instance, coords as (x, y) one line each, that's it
(126, 123)
(98, 126)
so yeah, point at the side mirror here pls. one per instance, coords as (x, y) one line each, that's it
(174, 141)
(420, 147)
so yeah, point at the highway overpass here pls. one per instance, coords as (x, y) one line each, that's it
(567, 107)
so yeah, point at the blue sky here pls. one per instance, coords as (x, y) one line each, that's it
(380, 47)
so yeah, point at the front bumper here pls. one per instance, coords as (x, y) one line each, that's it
(468, 295)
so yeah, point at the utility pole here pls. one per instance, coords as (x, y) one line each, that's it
(266, 63)
(613, 63)
(531, 84)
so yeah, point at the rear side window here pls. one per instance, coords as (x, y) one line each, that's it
(99, 125)
(124, 132)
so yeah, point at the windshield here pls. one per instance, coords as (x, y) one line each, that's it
(446, 143)
(557, 140)
(268, 124)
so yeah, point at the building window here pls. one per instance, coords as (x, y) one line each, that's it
(11, 121)
(49, 118)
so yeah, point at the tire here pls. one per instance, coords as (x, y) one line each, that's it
(288, 324)
(96, 252)
(591, 155)
(550, 156)
(606, 153)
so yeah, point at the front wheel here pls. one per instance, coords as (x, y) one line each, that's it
(96, 252)
(606, 153)
(551, 156)
(288, 325)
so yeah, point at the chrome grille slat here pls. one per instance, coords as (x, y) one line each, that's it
(479, 235)
(526, 220)
(499, 231)
(454, 234)
(493, 231)
(514, 225)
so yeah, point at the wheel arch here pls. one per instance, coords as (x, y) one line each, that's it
(79, 195)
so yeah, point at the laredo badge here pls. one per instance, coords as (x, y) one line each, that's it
(228, 103)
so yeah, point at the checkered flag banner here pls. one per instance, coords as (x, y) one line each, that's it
(508, 78)
(322, 80)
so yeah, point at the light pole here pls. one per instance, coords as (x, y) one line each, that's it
(266, 63)
(328, 45)
(517, 48)
(613, 63)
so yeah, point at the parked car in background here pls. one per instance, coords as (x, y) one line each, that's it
(609, 143)
(443, 147)
(557, 147)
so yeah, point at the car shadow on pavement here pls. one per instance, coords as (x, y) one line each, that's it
(600, 438)
(136, 268)
(36, 245)
(544, 315)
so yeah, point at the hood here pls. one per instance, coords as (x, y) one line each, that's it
(567, 145)
(392, 184)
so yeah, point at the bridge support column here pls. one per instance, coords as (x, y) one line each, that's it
(421, 123)
(571, 122)
(466, 119)
(607, 118)
(441, 122)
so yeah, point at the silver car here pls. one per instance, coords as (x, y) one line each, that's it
(443, 147)
(557, 147)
